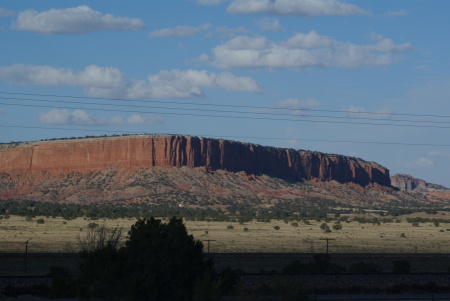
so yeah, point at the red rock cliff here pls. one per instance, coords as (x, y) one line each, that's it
(410, 184)
(136, 152)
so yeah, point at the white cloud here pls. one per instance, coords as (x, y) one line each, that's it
(81, 117)
(74, 20)
(179, 31)
(300, 8)
(269, 24)
(138, 119)
(91, 76)
(292, 105)
(303, 51)
(111, 83)
(356, 112)
(420, 163)
(189, 83)
(63, 116)
(210, 2)
(227, 32)
(117, 120)
(5, 13)
(296, 105)
(398, 13)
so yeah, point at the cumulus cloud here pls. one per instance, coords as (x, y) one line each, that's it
(5, 13)
(63, 116)
(269, 24)
(110, 82)
(296, 105)
(138, 119)
(179, 31)
(91, 76)
(292, 105)
(81, 117)
(227, 32)
(420, 163)
(74, 20)
(189, 83)
(356, 112)
(302, 51)
(300, 8)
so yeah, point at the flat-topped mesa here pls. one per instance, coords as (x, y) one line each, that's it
(146, 151)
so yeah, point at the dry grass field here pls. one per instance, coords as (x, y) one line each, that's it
(58, 235)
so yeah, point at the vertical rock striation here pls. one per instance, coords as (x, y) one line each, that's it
(146, 151)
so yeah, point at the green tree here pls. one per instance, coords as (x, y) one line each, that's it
(159, 261)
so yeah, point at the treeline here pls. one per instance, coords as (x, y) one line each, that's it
(288, 211)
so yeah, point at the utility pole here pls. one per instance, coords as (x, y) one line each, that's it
(327, 239)
(26, 252)
(209, 240)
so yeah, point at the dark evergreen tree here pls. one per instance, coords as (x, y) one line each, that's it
(160, 261)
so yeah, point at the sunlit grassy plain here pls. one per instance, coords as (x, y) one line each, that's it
(59, 235)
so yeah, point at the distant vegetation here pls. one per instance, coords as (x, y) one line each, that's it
(289, 211)
(242, 213)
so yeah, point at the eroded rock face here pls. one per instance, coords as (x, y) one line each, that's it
(408, 183)
(147, 151)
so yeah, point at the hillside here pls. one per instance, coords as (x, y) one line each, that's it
(194, 172)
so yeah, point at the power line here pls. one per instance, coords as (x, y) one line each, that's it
(209, 110)
(224, 105)
(239, 137)
(237, 117)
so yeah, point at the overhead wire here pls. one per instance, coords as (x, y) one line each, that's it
(222, 105)
(236, 137)
(298, 118)
(217, 108)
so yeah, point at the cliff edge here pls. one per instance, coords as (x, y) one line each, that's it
(168, 151)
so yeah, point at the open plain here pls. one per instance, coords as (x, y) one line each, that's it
(58, 235)
(252, 247)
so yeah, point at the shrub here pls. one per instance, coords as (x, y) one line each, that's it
(40, 221)
(337, 227)
(92, 225)
(230, 227)
(276, 227)
(402, 235)
(294, 224)
(245, 229)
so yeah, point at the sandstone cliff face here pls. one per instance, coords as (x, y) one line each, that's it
(408, 183)
(143, 152)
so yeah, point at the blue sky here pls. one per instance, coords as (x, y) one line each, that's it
(368, 79)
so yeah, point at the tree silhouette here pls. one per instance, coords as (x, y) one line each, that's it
(160, 261)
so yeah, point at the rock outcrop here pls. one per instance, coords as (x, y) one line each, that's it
(408, 183)
(147, 151)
